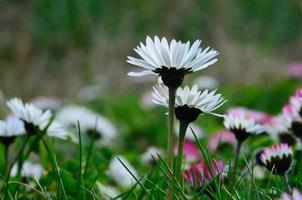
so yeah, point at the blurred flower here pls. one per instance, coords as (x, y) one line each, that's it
(107, 192)
(200, 173)
(9, 129)
(120, 174)
(294, 70)
(95, 125)
(221, 138)
(241, 126)
(292, 119)
(171, 61)
(35, 119)
(258, 172)
(151, 154)
(206, 82)
(278, 128)
(190, 150)
(189, 103)
(29, 170)
(46, 103)
(277, 159)
(257, 116)
(296, 195)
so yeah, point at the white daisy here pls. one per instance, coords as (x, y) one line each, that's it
(89, 122)
(277, 159)
(35, 119)
(192, 100)
(29, 170)
(176, 58)
(11, 127)
(120, 174)
(241, 126)
(29, 113)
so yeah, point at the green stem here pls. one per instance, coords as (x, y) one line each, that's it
(6, 154)
(182, 133)
(12, 164)
(236, 162)
(54, 166)
(91, 145)
(170, 153)
(285, 182)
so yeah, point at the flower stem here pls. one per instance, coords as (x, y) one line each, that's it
(236, 162)
(172, 93)
(54, 166)
(182, 132)
(285, 182)
(6, 154)
(12, 164)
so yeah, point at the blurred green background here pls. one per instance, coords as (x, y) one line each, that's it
(55, 47)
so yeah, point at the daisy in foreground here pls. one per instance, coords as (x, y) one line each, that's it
(189, 104)
(171, 62)
(277, 159)
(35, 120)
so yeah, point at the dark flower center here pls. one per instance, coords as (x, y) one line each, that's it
(30, 128)
(287, 138)
(7, 140)
(258, 158)
(279, 166)
(297, 129)
(240, 134)
(172, 77)
(93, 134)
(187, 114)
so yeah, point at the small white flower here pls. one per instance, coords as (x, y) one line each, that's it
(120, 174)
(241, 126)
(151, 154)
(89, 121)
(204, 101)
(12, 126)
(277, 125)
(107, 192)
(29, 169)
(29, 113)
(35, 119)
(159, 53)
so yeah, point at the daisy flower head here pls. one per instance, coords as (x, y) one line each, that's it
(172, 61)
(257, 116)
(189, 102)
(241, 126)
(35, 119)
(293, 119)
(277, 159)
(9, 129)
(93, 124)
(279, 129)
